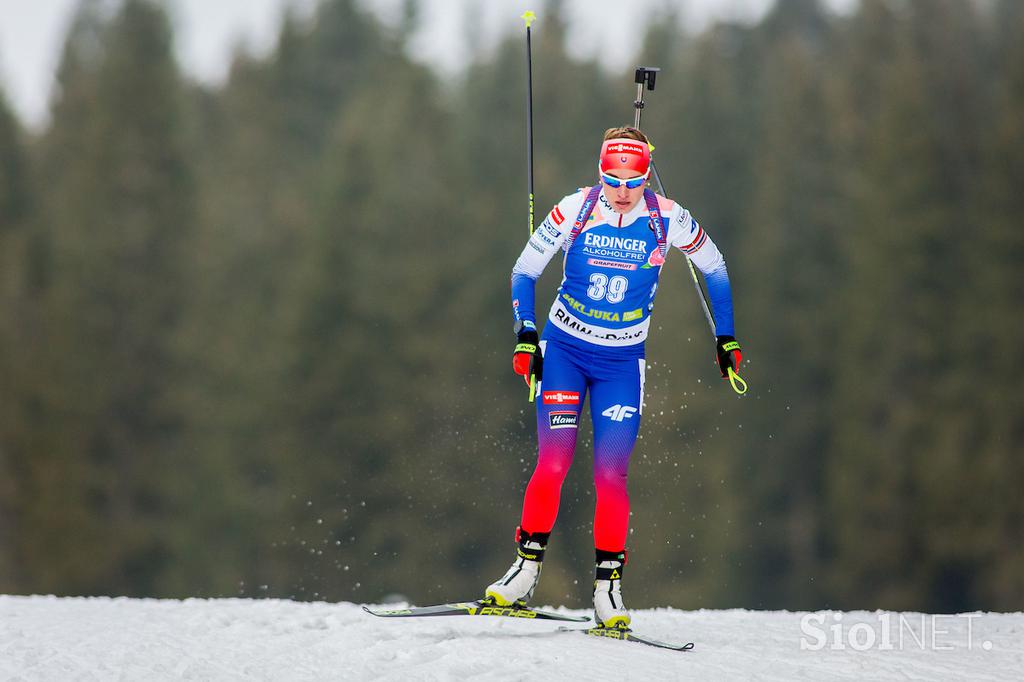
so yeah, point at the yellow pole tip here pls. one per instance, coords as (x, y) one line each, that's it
(528, 17)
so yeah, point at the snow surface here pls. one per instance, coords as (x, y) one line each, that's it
(50, 638)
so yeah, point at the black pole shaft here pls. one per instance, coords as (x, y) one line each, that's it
(704, 303)
(638, 104)
(529, 124)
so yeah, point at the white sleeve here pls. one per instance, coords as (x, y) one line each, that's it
(548, 238)
(686, 234)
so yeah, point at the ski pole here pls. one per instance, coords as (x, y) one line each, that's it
(646, 75)
(528, 16)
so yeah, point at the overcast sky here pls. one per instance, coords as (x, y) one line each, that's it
(32, 32)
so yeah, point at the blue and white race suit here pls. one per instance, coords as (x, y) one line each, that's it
(594, 342)
(610, 275)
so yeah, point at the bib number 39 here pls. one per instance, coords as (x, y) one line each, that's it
(613, 290)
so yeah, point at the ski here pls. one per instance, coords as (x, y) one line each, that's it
(476, 608)
(627, 635)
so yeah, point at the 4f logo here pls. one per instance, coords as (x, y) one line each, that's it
(619, 412)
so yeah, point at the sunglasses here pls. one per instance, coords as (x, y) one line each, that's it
(631, 183)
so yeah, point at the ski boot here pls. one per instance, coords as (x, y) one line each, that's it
(519, 582)
(609, 611)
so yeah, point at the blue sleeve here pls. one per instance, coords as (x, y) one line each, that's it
(720, 293)
(544, 243)
(523, 296)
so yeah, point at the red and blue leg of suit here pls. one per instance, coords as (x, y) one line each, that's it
(614, 382)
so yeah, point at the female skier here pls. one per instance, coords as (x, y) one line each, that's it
(615, 246)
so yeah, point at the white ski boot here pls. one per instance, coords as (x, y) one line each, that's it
(519, 582)
(609, 611)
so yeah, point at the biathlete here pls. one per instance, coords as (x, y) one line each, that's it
(615, 236)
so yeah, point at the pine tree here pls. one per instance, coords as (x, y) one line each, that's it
(261, 157)
(15, 205)
(99, 490)
(33, 387)
(13, 171)
(896, 453)
(790, 248)
(989, 373)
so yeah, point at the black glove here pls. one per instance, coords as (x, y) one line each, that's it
(527, 359)
(729, 355)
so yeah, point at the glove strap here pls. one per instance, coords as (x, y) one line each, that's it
(731, 346)
(529, 348)
(738, 384)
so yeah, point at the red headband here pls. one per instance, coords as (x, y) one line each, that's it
(623, 153)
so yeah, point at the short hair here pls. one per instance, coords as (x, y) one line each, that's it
(628, 132)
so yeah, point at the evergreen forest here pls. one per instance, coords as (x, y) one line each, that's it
(255, 338)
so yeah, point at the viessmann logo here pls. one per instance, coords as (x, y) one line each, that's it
(626, 148)
(561, 398)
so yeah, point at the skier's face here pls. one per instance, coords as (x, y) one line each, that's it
(622, 198)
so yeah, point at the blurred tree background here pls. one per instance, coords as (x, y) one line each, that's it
(254, 339)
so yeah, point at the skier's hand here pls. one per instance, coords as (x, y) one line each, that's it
(527, 359)
(729, 355)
